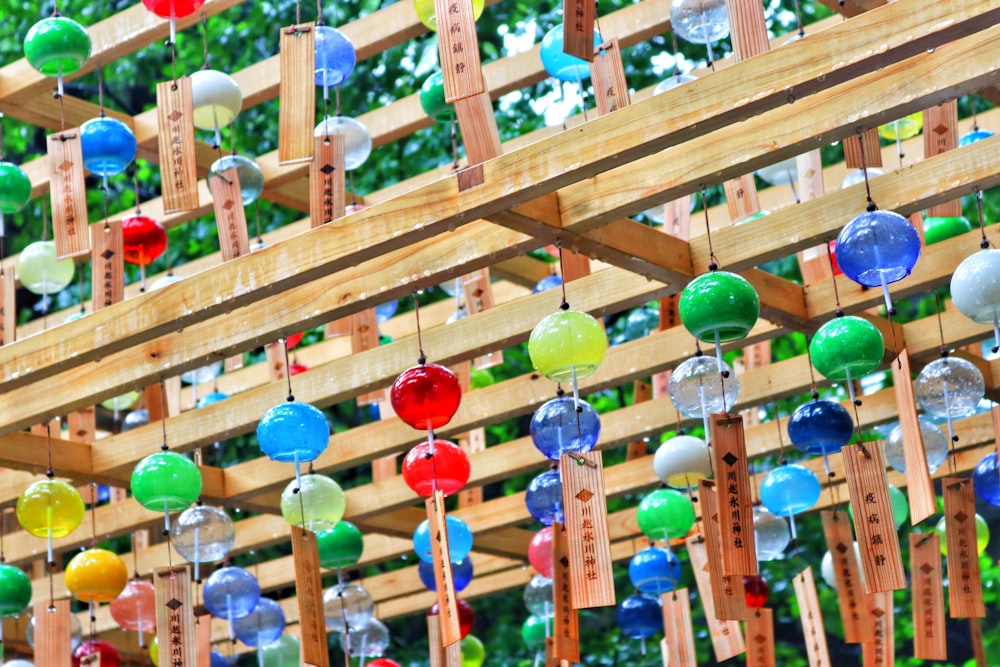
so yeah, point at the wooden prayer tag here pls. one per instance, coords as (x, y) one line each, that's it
(586, 510)
(297, 92)
(175, 616)
(641, 392)
(474, 441)
(8, 306)
(178, 168)
(678, 634)
(565, 621)
(327, 181)
(880, 652)
(976, 639)
(447, 609)
(365, 336)
(441, 656)
(608, 75)
(872, 150)
(760, 638)
(965, 586)
(578, 28)
(668, 319)
(812, 619)
(727, 639)
(52, 634)
(309, 593)
(850, 595)
(919, 487)
(929, 640)
(230, 216)
(940, 136)
(741, 198)
(749, 30)
(574, 265)
(341, 327)
(874, 522)
(458, 47)
(739, 553)
(156, 401)
(729, 598)
(68, 194)
(480, 134)
(477, 293)
(203, 638)
(107, 261)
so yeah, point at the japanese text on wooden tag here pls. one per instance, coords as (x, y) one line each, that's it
(458, 47)
(230, 216)
(297, 92)
(812, 619)
(68, 194)
(327, 181)
(309, 593)
(739, 553)
(107, 265)
(447, 608)
(678, 634)
(760, 638)
(589, 543)
(929, 640)
(880, 652)
(850, 595)
(175, 616)
(178, 167)
(729, 598)
(965, 586)
(742, 198)
(565, 624)
(941, 136)
(727, 639)
(919, 487)
(608, 75)
(52, 634)
(578, 28)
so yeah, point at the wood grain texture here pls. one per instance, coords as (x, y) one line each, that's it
(8, 304)
(578, 28)
(309, 593)
(175, 616)
(965, 586)
(748, 28)
(608, 76)
(735, 499)
(107, 264)
(850, 594)
(178, 169)
(760, 638)
(327, 180)
(862, 150)
(230, 216)
(941, 135)
(920, 489)
(458, 47)
(565, 620)
(52, 633)
(881, 651)
(68, 194)
(927, 594)
(478, 123)
(726, 636)
(812, 619)
(297, 90)
(678, 634)
(728, 598)
(447, 609)
(585, 506)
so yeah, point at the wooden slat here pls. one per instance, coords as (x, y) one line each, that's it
(297, 111)
(68, 194)
(920, 490)
(327, 181)
(585, 506)
(812, 619)
(728, 597)
(641, 392)
(678, 634)
(760, 638)
(965, 586)
(608, 75)
(735, 501)
(230, 216)
(748, 28)
(203, 638)
(107, 261)
(478, 297)
(869, 143)
(881, 651)
(365, 336)
(178, 170)
(309, 593)
(727, 639)
(929, 638)
(175, 616)
(473, 442)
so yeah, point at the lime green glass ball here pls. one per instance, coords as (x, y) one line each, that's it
(15, 590)
(982, 534)
(719, 304)
(50, 507)
(847, 345)
(432, 99)
(57, 46)
(427, 15)
(166, 482)
(665, 514)
(565, 341)
(903, 128)
(121, 402)
(317, 505)
(15, 188)
(942, 228)
(900, 506)
(473, 652)
(340, 546)
(40, 272)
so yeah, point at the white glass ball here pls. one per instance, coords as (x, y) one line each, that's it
(357, 138)
(672, 82)
(697, 388)
(780, 173)
(349, 605)
(204, 374)
(949, 386)
(935, 446)
(539, 596)
(858, 176)
(682, 460)
(975, 286)
(216, 98)
(40, 272)
(700, 21)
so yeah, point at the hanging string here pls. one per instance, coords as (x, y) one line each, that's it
(288, 375)
(857, 425)
(798, 18)
(839, 312)
(812, 373)
(256, 215)
(713, 263)
(422, 358)
(864, 170)
(319, 12)
(204, 39)
(984, 243)
(163, 413)
(939, 307)
(677, 54)
(975, 118)
(564, 305)
(781, 440)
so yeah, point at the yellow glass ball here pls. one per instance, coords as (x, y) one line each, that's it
(903, 128)
(567, 342)
(154, 651)
(426, 13)
(50, 507)
(96, 575)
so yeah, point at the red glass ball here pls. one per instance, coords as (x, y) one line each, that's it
(833, 257)
(382, 662)
(540, 551)
(109, 654)
(426, 396)
(756, 590)
(144, 239)
(295, 368)
(173, 9)
(466, 617)
(447, 469)
(293, 340)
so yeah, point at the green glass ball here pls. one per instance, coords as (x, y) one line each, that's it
(942, 228)
(473, 652)
(565, 341)
(57, 45)
(665, 514)
(533, 632)
(166, 482)
(340, 546)
(719, 304)
(15, 188)
(15, 590)
(847, 344)
(432, 99)
(982, 534)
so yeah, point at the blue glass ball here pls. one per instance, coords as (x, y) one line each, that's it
(461, 574)
(640, 615)
(459, 540)
(385, 311)
(654, 570)
(557, 428)
(820, 427)
(219, 660)
(562, 65)
(211, 399)
(986, 479)
(544, 498)
(335, 56)
(108, 146)
(262, 626)
(293, 431)
(877, 245)
(789, 489)
(547, 283)
(231, 592)
(974, 136)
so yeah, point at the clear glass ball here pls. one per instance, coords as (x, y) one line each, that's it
(857, 176)
(700, 21)
(357, 138)
(771, 533)
(949, 386)
(670, 83)
(135, 419)
(203, 534)
(347, 607)
(539, 596)
(369, 641)
(935, 446)
(247, 171)
(697, 388)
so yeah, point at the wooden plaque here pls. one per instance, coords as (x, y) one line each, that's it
(741, 198)
(749, 30)
(880, 652)
(327, 181)
(739, 554)
(309, 593)
(608, 75)
(107, 265)
(477, 293)
(965, 586)
(940, 136)
(850, 593)
(574, 265)
(929, 640)
(677, 217)
(441, 656)
(480, 134)
(760, 638)
(297, 92)
(586, 509)
(175, 616)
(919, 487)
(565, 622)
(976, 639)
(178, 167)
(873, 519)
(873, 150)
(578, 28)
(727, 639)
(641, 392)
(729, 598)
(156, 401)
(52, 634)
(678, 634)
(458, 48)
(203, 638)
(230, 216)
(447, 609)
(812, 619)
(8, 306)
(365, 336)
(68, 194)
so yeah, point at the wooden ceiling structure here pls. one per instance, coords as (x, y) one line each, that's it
(578, 186)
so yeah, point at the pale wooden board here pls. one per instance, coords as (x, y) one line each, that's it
(678, 635)
(881, 651)
(578, 28)
(82, 425)
(608, 76)
(748, 28)
(365, 336)
(480, 134)
(853, 150)
(309, 593)
(458, 48)
(929, 639)
(327, 181)
(107, 262)
(728, 597)
(175, 616)
(735, 499)
(965, 586)
(68, 194)
(585, 506)
(230, 216)
(995, 414)
(760, 638)
(850, 594)
(727, 639)
(812, 619)
(178, 168)
(565, 620)
(920, 489)
(297, 111)
(8, 305)
(447, 609)
(52, 629)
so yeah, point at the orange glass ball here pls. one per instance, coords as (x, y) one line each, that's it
(96, 575)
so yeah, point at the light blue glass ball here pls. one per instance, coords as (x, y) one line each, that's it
(878, 246)
(231, 592)
(789, 489)
(461, 574)
(262, 626)
(640, 616)
(108, 146)
(459, 540)
(335, 56)
(293, 431)
(547, 283)
(820, 427)
(211, 399)
(562, 65)
(557, 428)
(544, 498)
(654, 570)
(385, 311)
(974, 136)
